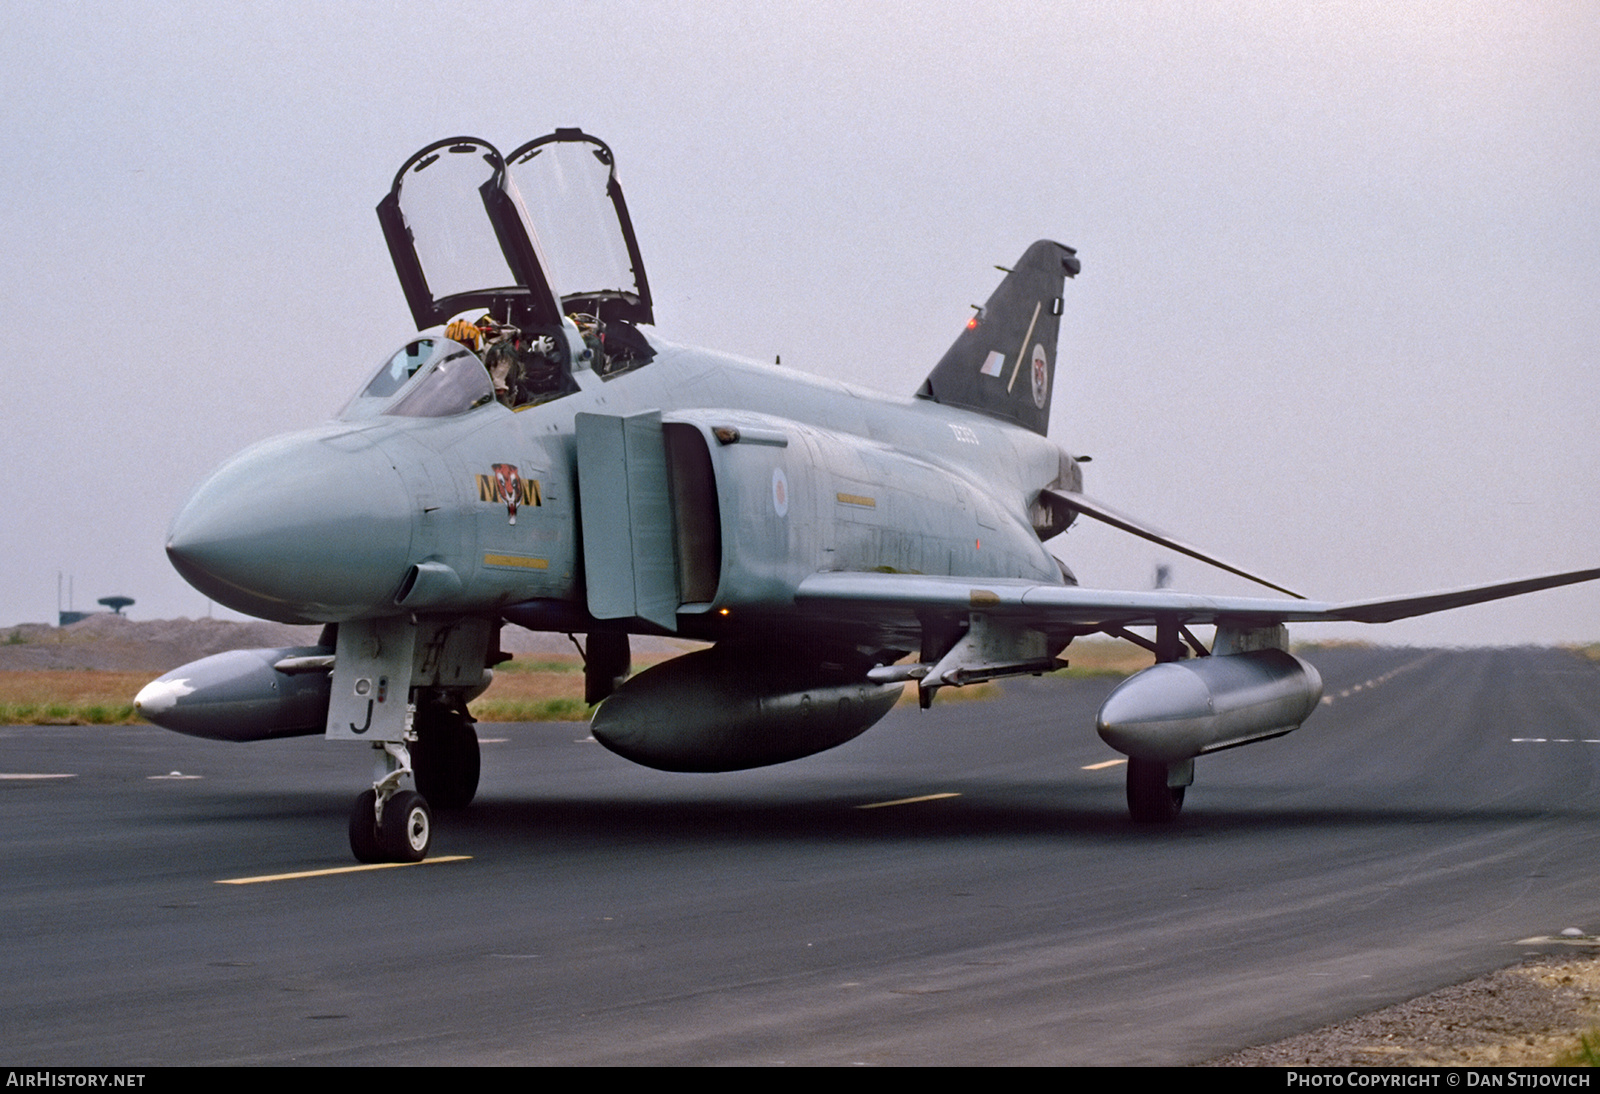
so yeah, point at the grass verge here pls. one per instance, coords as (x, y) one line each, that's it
(1585, 1054)
(69, 698)
(549, 689)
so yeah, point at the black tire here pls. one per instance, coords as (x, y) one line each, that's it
(445, 760)
(407, 829)
(1150, 799)
(364, 829)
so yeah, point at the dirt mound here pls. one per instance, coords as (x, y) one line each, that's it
(115, 643)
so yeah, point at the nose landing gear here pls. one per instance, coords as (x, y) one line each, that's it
(388, 824)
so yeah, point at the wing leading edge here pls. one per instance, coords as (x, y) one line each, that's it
(1052, 607)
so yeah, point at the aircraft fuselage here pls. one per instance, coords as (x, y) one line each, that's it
(477, 512)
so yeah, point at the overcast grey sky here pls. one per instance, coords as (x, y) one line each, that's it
(1338, 319)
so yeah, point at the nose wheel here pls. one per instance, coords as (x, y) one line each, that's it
(388, 824)
(402, 834)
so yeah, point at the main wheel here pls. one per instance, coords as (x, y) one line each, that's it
(407, 829)
(364, 829)
(1150, 799)
(445, 760)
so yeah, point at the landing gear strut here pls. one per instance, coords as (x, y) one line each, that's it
(1155, 789)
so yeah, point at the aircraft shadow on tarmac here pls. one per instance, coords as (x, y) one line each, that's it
(1009, 811)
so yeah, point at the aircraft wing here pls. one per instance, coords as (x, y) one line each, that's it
(1071, 607)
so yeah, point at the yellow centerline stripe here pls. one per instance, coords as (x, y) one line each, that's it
(1105, 764)
(338, 870)
(911, 801)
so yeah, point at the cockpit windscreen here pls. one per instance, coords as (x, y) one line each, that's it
(426, 378)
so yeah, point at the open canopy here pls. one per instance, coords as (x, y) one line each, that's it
(545, 236)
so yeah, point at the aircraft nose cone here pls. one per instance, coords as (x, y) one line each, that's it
(305, 528)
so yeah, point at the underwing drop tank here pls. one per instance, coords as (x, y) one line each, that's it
(715, 710)
(243, 695)
(1178, 710)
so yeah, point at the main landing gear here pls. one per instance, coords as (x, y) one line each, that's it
(1155, 788)
(1151, 797)
(445, 758)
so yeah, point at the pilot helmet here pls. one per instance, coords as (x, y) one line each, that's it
(465, 328)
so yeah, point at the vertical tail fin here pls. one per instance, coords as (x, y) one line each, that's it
(1003, 364)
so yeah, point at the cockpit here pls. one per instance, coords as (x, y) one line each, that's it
(425, 378)
(531, 260)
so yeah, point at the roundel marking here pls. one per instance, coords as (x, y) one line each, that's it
(1041, 376)
(780, 492)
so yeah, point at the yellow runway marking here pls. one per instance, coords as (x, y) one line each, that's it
(911, 801)
(1103, 764)
(338, 870)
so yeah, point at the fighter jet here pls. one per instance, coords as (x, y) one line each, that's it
(535, 456)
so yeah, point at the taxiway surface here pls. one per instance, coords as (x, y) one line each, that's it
(1439, 807)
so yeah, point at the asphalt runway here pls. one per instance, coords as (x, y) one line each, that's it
(1438, 808)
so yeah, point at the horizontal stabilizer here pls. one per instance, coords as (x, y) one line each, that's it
(1107, 515)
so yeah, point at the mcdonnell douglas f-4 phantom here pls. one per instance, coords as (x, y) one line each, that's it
(533, 457)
